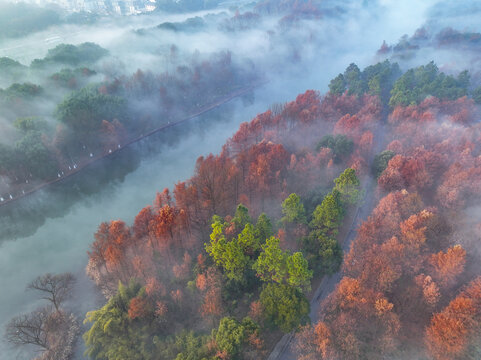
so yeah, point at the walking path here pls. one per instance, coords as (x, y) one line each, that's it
(76, 168)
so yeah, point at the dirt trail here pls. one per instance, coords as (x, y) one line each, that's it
(283, 349)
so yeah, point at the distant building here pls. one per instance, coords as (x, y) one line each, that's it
(102, 7)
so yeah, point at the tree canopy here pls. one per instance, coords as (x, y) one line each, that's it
(113, 335)
(293, 210)
(86, 53)
(380, 162)
(85, 109)
(275, 264)
(417, 84)
(284, 306)
(375, 80)
(230, 254)
(340, 145)
(347, 184)
(31, 151)
(232, 334)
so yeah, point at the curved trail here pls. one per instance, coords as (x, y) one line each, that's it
(7, 199)
(283, 350)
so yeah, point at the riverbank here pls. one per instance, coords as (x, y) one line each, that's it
(73, 169)
(60, 243)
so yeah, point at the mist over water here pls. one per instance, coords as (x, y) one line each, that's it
(104, 33)
(60, 244)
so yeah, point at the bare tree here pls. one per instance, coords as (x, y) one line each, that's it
(55, 288)
(30, 329)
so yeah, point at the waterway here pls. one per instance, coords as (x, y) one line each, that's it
(51, 231)
(60, 244)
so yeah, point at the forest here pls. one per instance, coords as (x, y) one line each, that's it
(336, 224)
(92, 116)
(223, 264)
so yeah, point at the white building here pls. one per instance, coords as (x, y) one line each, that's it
(103, 7)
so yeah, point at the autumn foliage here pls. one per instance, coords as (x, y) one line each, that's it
(452, 330)
(411, 255)
(259, 166)
(402, 274)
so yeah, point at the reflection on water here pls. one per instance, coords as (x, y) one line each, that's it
(61, 221)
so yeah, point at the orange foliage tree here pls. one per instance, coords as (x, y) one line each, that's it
(456, 327)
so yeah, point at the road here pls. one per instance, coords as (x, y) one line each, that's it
(284, 348)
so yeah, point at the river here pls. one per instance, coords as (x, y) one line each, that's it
(60, 244)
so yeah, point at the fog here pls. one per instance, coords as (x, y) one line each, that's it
(450, 57)
(322, 47)
(61, 244)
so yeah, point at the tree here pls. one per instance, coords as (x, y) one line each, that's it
(314, 342)
(138, 307)
(142, 221)
(267, 168)
(293, 210)
(348, 185)
(380, 162)
(211, 285)
(454, 330)
(275, 264)
(375, 79)
(113, 334)
(54, 288)
(26, 124)
(380, 78)
(162, 225)
(84, 109)
(327, 216)
(271, 263)
(340, 145)
(215, 178)
(188, 346)
(248, 240)
(417, 84)
(477, 95)
(321, 244)
(241, 217)
(231, 335)
(11, 67)
(30, 329)
(229, 254)
(34, 155)
(298, 271)
(448, 265)
(284, 306)
(337, 86)
(7, 159)
(108, 262)
(359, 323)
(234, 261)
(355, 85)
(73, 55)
(330, 253)
(263, 228)
(21, 91)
